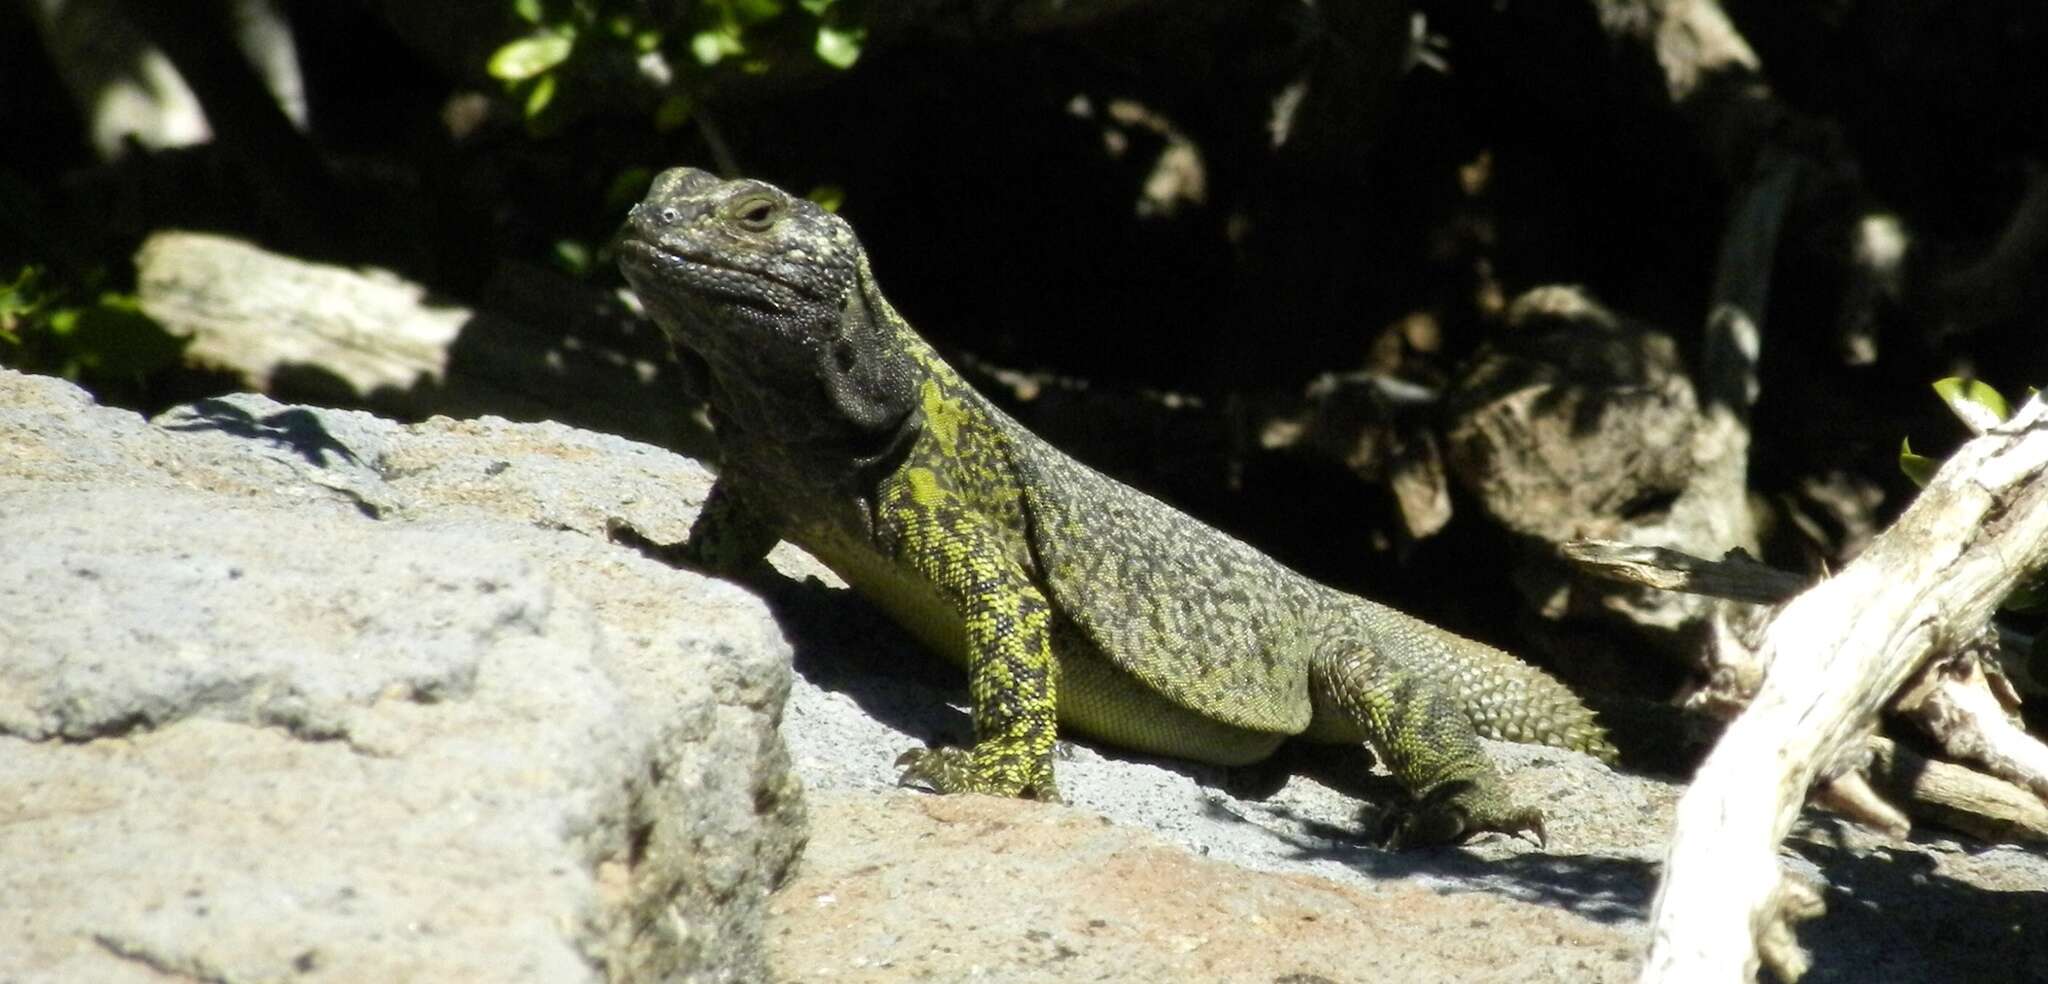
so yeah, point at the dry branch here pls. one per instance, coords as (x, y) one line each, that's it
(1735, 577)
(1966, 703)
(1974, 714)
(1837, 654)
(1961, 798)
(1733, 344)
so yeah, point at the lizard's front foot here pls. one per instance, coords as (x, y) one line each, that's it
(947, 769)
(1455, 813)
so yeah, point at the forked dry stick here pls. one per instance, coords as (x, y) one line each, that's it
(1836, 655)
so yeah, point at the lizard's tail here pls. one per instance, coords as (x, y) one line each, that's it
(1504, 697)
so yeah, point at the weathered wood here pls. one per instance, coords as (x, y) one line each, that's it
(1736, 577)
(1718, 498)
(1957, 797)
(1837, 654)
(258, 314)
(328, 334)
(1974, 716)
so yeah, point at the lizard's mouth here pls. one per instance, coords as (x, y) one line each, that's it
(708, 277)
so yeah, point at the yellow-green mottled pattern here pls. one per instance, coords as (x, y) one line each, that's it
(1072, 600)
(935, 516)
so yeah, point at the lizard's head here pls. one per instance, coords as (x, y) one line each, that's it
(772, 293)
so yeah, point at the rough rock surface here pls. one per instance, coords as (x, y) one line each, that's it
(1160, 870)
(979, 890)
(305, 694)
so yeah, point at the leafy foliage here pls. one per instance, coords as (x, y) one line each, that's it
(574, 53)
(82, 332)
(574, 41)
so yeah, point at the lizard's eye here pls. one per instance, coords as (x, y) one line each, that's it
(756, 213)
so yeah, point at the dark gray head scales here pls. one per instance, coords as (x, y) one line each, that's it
(772, 293)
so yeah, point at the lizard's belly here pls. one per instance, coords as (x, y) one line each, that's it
(1095, 697)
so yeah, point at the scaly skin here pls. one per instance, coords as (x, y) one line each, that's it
(1073, 601)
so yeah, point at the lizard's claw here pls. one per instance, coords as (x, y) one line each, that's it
(947, 769)
(1455, 814)
(942, 769)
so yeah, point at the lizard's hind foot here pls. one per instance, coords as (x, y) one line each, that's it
(1456, 813)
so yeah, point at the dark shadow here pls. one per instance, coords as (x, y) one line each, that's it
(1602, 888)
(1934, 927)
(570, 354)
(843, 645)
(297, 430)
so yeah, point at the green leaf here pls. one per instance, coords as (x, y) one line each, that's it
(19, 297)
(530, 56)
(572, 256)
(755, 11)
(527, 10)
(628, 187)
(542, 94)
(115, 338)
(1980, 407)
(838, 47)
(1918, 468)
(711, 47)
(673, 112)
(816, 8)
(828, 197)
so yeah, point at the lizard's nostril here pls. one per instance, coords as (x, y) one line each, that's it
(669, 216)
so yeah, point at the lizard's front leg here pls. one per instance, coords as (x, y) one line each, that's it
(729, 539)
(729, 536)
(1011, 671)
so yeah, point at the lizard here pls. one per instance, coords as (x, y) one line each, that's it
(1074, 602)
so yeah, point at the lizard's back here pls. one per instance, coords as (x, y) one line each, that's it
(1195, 614)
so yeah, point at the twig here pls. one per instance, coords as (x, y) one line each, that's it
(1735, 577)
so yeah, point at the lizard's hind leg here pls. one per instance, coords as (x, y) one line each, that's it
(1426, 740)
